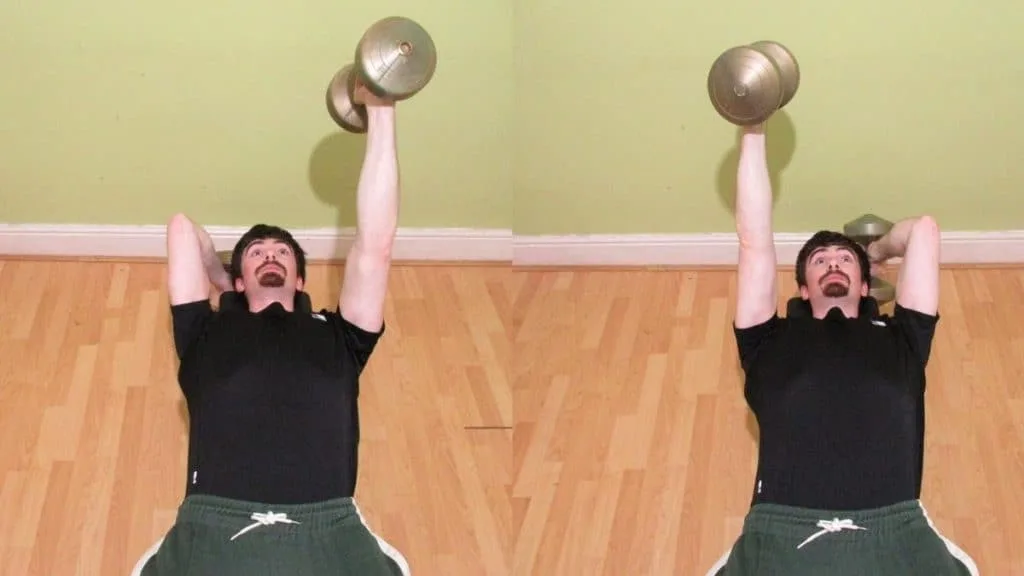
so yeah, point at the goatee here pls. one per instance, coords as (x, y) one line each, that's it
(271, 280)
(835, 290)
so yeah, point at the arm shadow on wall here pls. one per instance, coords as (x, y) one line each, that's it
(781, 139)
(333, 174)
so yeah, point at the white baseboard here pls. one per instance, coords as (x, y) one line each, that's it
(721, 249)
(149, 241)
(469, 245)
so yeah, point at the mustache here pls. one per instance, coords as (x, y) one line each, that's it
(266, 265)
(839, 273)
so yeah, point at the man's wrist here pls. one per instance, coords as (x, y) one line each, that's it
(875, 250)
(380, 111)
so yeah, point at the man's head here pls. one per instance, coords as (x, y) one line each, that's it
(268, 264)
(833, 270)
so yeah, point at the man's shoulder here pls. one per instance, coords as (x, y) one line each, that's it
(201, 306)
(317, 324)
(881, 321)
(901, 316)
(323, 315)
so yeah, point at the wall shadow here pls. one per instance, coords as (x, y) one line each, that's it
(781, 138)
(333, 175)
(333, 172)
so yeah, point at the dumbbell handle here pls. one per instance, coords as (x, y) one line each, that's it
(882, 290)
(225, 259)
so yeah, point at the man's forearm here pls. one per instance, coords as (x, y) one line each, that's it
(754, 191)
(894, 243)
(377, 196)
(211, 262)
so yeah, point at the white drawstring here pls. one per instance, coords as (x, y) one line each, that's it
(834, 525)
(267, 519)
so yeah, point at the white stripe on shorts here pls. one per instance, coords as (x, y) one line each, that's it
(385, 547)
(137, 571)
(954, 550)
(718, 565)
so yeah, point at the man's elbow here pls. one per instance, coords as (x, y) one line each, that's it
(179, 224)
(926, 230)
(181, 235)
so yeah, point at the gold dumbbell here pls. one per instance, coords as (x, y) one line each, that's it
(865, 230)
(747, 84)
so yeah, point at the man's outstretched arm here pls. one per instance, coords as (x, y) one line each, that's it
(368, 264)
(756, 286)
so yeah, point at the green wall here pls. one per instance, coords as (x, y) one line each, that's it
(125, 112)
(544, 117)
(904, 107)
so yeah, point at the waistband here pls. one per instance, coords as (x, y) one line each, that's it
(794, 522)
(221, 512)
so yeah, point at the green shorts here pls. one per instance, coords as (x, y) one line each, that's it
(214, 536)
(896, 540)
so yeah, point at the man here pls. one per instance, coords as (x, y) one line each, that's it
(272, 393)
(838, 392)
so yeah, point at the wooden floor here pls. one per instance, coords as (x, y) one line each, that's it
(94, 427)
(633, 451)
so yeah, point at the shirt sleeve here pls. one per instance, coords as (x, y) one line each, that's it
(749, 340)
(359, 344)
(188, 322)
(917, 330)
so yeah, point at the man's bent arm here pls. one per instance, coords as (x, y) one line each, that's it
(757, 292)
(192, 262)
(917, 241)
(377, 200)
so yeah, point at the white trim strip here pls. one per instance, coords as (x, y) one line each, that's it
(954, 550)
(385, 547)
(481, 245)
(722, 249)
(99, 241)
(146, 556)
(720, 563)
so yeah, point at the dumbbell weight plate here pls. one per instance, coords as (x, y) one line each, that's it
(745, 86)
(867, 229)
(225, 258)
(396, 58)
(882, 291)
(346, 114)
(788, 67)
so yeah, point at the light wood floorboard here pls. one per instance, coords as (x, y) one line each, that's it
(92, 465)
(527, 422)
(635, 452)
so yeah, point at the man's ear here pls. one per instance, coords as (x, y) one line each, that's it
(804, 293)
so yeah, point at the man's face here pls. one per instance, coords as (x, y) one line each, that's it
(269, 265)
(833, 273)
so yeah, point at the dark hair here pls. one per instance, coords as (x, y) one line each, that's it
(825, 238)
(263, 232)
